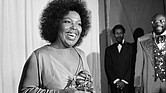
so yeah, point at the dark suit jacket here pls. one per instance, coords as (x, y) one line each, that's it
(118, 65)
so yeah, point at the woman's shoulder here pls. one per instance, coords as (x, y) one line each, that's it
(80, 51)
(42, 49)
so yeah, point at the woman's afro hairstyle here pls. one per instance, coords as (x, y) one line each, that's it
(55, 12)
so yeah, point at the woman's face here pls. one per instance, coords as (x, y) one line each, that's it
(70, 29)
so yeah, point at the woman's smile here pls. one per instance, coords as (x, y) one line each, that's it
(70, 29)
(71, 36)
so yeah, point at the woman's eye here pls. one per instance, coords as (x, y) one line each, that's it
(67, 21)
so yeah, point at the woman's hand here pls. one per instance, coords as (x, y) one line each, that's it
(72, 90)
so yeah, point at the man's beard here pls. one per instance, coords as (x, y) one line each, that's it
(119, 39)
(159, 29)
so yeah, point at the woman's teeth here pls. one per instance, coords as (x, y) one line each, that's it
(71, 36)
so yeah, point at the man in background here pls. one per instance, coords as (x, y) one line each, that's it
(150, 68)
(118, 62)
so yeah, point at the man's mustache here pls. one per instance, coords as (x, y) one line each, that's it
(159, 26)
(119, 37)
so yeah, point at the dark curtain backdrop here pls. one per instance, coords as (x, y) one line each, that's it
(131, 14)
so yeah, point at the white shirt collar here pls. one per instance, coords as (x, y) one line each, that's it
(120, 46)
(123, 41)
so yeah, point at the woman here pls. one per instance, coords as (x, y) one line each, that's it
(59, 67)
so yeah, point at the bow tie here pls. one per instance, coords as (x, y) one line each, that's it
(160, 39)
(120, 43)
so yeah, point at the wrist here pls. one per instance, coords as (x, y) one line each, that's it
(116, 80)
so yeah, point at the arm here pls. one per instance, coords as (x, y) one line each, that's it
(127, 76)
(138, 65)
(111, 76)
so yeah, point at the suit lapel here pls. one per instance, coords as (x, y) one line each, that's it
(124, 48)
(148, 45)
